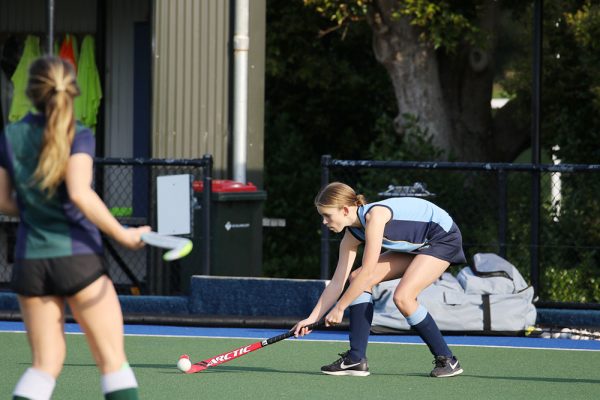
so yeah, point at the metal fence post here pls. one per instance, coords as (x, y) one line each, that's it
(535, 231)
(325, 159)
(536, 102)
(502, 213)
(206, 226)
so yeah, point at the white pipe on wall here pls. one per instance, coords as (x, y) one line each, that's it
(241, 42)
(50, 21)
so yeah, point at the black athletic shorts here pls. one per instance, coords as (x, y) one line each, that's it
(59, 276)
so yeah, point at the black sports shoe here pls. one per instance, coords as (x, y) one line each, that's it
(446, 367)
(345, 366)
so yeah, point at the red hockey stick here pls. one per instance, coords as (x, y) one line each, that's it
(242, 351)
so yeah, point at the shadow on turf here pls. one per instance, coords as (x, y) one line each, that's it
(537, 379)
(173, 369)
(157, 366)
(92, 365)
(519, 378)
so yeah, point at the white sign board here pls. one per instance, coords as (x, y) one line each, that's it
(174, 204)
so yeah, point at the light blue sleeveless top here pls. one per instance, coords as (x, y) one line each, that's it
(414, 223)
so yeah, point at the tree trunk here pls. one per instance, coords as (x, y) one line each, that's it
(449, 93)
(413, 69)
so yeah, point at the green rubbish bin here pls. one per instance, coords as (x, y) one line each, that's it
(236, 231)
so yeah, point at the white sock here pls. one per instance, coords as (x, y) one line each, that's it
(35, 385)
(119, 380)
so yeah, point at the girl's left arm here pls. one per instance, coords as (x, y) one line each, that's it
(364, 281)
(8, 203)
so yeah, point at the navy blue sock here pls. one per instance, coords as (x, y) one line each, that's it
(361, 317)
(428, 330)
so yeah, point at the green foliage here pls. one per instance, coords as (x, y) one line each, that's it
(340, 11)
(571, 85)
(443, 23)
(569, 256)
(323, 96)
(571, 285)
(292, 181)
(570, 236)
(570, 81)
(585, 25)
(327, 95)
(415, 144)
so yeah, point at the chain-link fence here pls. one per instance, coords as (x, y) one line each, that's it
(542, 218)
(128, 188)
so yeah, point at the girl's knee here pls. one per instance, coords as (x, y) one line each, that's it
(404, 302)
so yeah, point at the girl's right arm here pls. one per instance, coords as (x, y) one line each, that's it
(79, 185)
(347, 255)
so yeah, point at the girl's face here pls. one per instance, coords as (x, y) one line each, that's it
(336, 219)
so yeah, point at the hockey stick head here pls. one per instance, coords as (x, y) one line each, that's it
(182, 250)
(177, 247)
(199, 367)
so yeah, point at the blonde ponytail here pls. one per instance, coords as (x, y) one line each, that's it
(52, 87)
(360, 200)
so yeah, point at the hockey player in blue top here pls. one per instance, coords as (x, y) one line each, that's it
(421, 241)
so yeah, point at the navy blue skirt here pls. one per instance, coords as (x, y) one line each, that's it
(447, 247)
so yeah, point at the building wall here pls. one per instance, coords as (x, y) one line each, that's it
(29, 16)
(191, 82)
(118, 85)
(256, 92)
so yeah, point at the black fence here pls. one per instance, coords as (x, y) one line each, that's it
(128, 187)
(543, 219)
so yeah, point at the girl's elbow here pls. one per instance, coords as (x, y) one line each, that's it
(9, 209)
(5, 203)
(77, 197)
